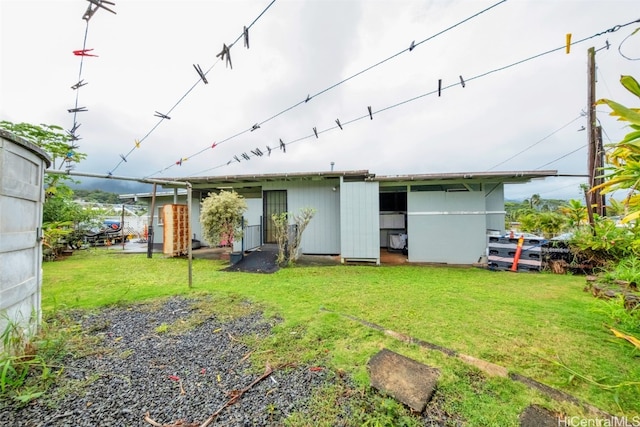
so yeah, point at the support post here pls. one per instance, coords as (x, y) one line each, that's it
(190, 242)
(150, 233)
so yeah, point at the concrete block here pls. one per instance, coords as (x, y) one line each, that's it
(404, 379)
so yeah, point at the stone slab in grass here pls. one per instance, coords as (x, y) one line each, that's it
(404, 379)
(537, 416)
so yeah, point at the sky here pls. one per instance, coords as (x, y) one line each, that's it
(346, 56)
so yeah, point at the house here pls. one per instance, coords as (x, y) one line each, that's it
(445, 218)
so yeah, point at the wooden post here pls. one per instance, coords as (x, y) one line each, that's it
(189, 241)
(591, 127)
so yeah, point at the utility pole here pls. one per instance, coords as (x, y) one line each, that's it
(595, 156)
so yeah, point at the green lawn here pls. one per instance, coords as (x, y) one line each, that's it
(540, 325)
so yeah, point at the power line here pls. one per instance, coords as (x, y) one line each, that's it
(562, 157)
(535, 143)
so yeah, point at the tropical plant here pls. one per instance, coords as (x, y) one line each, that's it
(221, 217)
(624, 156)
(575, 213)
(51, 138)
(548, 224)
(605, 244)
(289, 237)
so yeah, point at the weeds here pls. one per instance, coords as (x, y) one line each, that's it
(29, 362)
(627, 320)
(627, 269)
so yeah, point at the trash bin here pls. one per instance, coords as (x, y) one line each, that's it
(235, 257)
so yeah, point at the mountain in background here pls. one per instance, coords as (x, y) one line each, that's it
(111, 185)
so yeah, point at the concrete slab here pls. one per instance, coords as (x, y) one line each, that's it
(402, 378)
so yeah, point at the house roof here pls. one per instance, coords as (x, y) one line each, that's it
(255, 179)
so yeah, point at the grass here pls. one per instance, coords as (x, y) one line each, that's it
(539, 325)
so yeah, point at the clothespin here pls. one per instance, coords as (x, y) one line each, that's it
(200, 73)
(122, 156)
(439, 86)
(225, 53)
(109, 174)
(462, 82)
(568, 43)
(162, 116)
(77, 110)
(74, 128)
(214, 145)
(237, 159)
(254, 127)
(99, 3)
(606, 44)
(257, 152)
(246, 156)
(413, 45)
(137, 143)
(283, 147)
(89, 12)
(370, 113)
(316, 132)
(339, 124)
(83, 52)
(245, 33)
(69, 154)
(269, 149)
(308, 98)
(179, 162)
(229, 162)
(78, 85)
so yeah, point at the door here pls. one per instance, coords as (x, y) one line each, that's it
(273, 202)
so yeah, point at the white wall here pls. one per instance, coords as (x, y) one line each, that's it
(322, 235)
(360, 221)
(446, 227)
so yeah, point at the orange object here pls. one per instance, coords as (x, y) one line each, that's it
(516, 257)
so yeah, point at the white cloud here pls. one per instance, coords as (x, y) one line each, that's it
(145, 60)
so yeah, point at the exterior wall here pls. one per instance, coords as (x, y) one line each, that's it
(446, 227)
(360, 221)
(21, 197)
(322, 235)
(252, 216)
(495, 207)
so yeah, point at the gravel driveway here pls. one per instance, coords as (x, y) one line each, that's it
(177, 379)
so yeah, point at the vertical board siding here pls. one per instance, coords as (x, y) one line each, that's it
(446, 227)
(495, 206)
(21, 199)
(360, 221)
(322, 235)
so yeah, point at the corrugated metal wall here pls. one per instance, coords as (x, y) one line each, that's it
(446, 227)
(360, 221)
(322, 235)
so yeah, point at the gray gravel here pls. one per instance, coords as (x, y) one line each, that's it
(145, 370)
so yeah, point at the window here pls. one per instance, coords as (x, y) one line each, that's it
(160, 217)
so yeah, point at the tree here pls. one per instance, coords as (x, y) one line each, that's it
(50, 138)
(63, 220)
(575, 212)
(624, 156)
(289, 236)
(221, 217)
